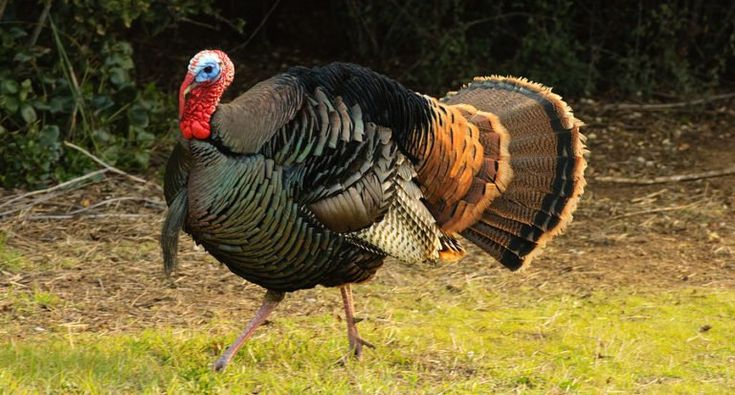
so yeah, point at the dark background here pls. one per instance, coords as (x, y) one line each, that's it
(104, 74)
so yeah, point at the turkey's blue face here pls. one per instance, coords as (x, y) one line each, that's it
(206, 67)
(209, 73)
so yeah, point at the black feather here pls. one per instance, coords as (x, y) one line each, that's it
(174, 222)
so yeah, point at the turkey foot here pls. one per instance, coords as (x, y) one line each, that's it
(356, 342)
(270, 301)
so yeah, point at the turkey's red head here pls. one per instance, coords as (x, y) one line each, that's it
(210, 72)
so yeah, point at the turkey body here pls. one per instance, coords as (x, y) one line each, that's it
(244, 210)
(316, 175)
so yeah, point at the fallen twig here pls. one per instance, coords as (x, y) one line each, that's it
(74, 213)
(665, 179)
(39, 25)
(27, 205)
(156, 203)
(655, 210)
(110, 167)
(72, 216)
(55, 187)
(667, 106)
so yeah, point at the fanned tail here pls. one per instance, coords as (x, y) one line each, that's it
(546, 161)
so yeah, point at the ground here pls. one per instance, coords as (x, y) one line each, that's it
(637, 296)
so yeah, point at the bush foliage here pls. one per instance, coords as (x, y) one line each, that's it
(102, 74)
(75, 79)
(581, 47)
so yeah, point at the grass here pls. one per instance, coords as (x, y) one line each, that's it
(33, 300)
(467, 341)
(10, 260)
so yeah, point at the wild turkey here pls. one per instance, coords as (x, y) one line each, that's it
(314, 176)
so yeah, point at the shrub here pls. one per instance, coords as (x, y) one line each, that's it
(77, 81)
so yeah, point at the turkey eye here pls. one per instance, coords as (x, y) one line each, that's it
(208, 69)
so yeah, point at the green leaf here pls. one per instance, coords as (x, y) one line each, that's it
(59, 103)
(17, 32)
(28, 113)
(124, 47)
(102, 102)
(142, 157)
(11, 104)
(138, 117)
(9, 86)
(25, 89)
(144, 137)
(111, 154)
(50, 136)
(103, 135)
(119, 76)
(22, 57)
(120, 60)
(48, 79)
(41, 106)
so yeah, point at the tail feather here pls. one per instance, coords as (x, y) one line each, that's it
(547, 164)
(500, 244)
(466, 165)
(541, 217)
(175, 219)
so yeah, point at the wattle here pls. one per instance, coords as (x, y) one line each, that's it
(198, 110)
(195, 128)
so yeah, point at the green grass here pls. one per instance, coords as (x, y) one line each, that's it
(465, 342)
(30, 302)
(10, 260)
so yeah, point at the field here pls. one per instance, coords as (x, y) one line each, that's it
(637, 296)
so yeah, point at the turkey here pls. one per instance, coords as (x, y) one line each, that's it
(315, 176)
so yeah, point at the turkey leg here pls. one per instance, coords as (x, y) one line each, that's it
(270, 301)
(356, 342)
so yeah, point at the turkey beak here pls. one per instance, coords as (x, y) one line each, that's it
(184, 90)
